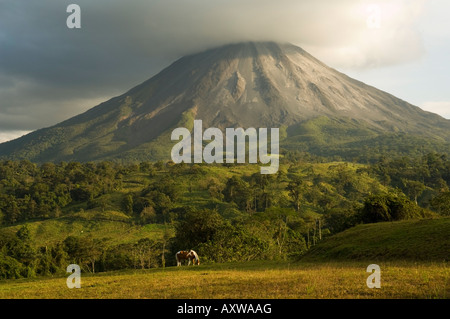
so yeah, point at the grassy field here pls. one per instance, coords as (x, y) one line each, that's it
(413, 256)
(262, 280)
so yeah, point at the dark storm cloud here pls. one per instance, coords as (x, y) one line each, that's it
(49, 72)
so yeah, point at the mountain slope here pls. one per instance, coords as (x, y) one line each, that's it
(238, 85)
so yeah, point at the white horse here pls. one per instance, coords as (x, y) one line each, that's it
(190, 255)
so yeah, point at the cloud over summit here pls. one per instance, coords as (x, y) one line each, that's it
(49, 72)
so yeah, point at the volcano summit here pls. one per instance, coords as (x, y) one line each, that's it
(263, 84)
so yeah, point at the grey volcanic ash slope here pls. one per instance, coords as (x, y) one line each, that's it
(239, 85)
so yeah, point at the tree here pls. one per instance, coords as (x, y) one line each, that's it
(283, 227)
(390, 207)
(238, 191)
(10, 268)
(83, 250)
(296, 189)
(91, 250)
(163, 204)
(127, 204)
(441, 203)
(147, 215)
(169, 187)
(413, 188)
(165, 241)
(199, 226)
(376, 209)
(21, 249)
(279, 221)
(145, 252)
(339, 219)
(267, 191)
(215, 188)
(72, 247)
(11, 210)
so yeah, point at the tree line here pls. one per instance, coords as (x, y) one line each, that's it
(241, 216)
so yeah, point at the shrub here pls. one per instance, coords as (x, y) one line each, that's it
(390, 207)
(10, 268)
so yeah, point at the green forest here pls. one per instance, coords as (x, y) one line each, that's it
(225, 212)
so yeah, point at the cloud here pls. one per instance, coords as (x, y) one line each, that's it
(373, 34)
(49, 72)
(442, 108)
(339, 31)
(10, 135)
(29, 104)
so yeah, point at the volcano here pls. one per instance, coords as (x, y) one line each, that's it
(253, 84)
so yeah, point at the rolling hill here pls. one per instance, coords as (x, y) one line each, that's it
(411, 240)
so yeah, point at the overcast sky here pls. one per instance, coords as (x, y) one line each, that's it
(49, 72)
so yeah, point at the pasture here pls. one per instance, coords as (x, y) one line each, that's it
(249, 280)
(412, 255)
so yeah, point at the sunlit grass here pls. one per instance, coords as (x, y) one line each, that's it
(271, 280)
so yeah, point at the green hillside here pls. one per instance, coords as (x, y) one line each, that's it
(113, 228)
(413, 240)
(357, 141)
(107, 216)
